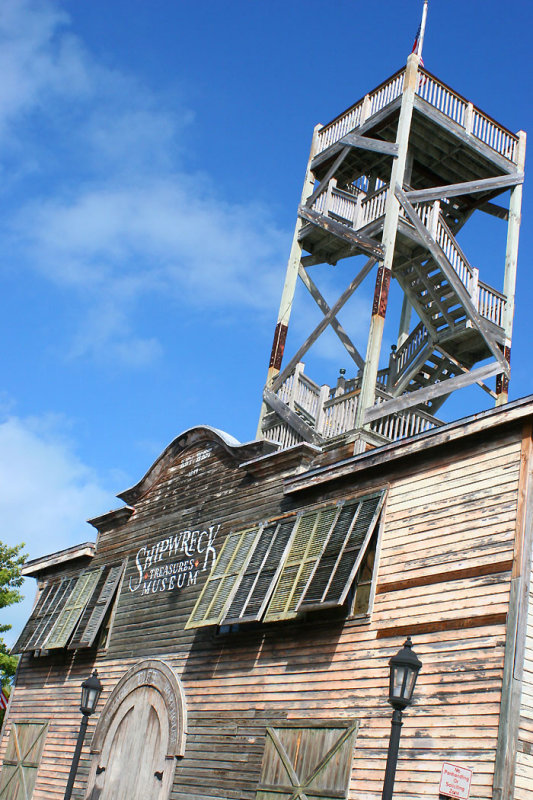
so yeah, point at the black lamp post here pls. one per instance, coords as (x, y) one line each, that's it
(404, 669)
(91, 690)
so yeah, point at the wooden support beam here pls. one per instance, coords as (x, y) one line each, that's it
(290, 417)
(464, 369)
(421, 396)
(327, 177)
(453, 279)
(469, 187)
(364, 243)
(494, 210)
(322, 325)
(515, 639)
(390, 227)
(366, 143)
(352, 350)
(509, 281)
(287, 295)
(312, 261)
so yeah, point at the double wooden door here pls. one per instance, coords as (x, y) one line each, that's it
(133, 763)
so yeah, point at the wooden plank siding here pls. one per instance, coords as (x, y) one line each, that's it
(524, 757)
(444, 565)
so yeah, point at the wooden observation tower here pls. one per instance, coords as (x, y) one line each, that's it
(389, 184)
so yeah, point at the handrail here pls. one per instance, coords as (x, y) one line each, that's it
(433, 91)
(358, 210)
(408, 351)
(451, 249)
(336, 415)
(477, 122)
(491, 303)
(404, 423)
(325, 134)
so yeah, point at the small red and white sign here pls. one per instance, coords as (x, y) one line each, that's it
(455, 781)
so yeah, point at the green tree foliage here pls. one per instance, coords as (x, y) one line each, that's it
(11, 561)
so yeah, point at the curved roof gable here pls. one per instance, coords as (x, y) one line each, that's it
(189, 438)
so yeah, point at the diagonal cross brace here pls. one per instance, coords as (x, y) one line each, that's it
(285, 760)
(21, 757)
(322, 325)
(464, 369)
(352, 350)
(327, 177)
(420, 396)
(290, 417)
(298, 784)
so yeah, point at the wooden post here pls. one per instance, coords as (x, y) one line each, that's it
(392, 210)
(474, 288)
(434, 221)
(405, 318)
(405, 321)
(365, 110)
(511, 258)
(517, 618)
(320, 414)
(298, 370)
(327, 202)
(469, 118)
(287, 295)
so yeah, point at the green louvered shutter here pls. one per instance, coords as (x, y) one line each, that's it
(96, 609)
(307, 762)
(311, 535)
(257, 582)
(223, 580)
(21, 644)
(50, 611)
(342, 556)
(72, 610)
(21, 761)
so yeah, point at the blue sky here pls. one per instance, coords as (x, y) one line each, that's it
(151, 160)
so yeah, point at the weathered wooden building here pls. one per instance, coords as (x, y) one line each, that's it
(242, 606)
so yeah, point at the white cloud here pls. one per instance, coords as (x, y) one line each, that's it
(109, 211)
(46, 495)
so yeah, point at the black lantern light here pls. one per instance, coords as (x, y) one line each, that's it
(91, 689)
(404, 669)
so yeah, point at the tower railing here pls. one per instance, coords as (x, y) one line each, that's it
(361, 210)
(439, 96)
(331, 412)
(354, 116)
(406, 354)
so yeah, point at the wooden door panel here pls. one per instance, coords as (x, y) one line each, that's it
(139, 734)
(132, 765)
(21, 761)
(307, 762)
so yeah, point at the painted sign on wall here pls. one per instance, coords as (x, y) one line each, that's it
(174, 562)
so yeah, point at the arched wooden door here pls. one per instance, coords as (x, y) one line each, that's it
(138, 736)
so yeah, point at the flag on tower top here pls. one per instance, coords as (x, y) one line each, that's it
(417, 46)
(419, 38)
